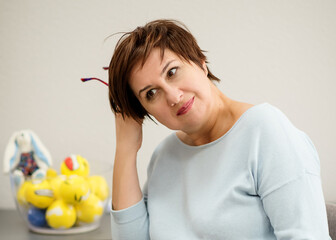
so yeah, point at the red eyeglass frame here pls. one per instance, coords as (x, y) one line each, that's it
(94, 78)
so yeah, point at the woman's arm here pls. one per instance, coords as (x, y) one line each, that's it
(288, 179)
(126, 187)
(297, 209)
(129, 218)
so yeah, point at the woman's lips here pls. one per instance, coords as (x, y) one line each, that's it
(186, 107)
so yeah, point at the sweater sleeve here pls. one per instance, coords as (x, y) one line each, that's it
(297, 210)
(288, 181)
(131, 223)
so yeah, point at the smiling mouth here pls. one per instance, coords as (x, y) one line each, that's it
(186, 107)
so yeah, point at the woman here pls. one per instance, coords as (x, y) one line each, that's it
(231, 170)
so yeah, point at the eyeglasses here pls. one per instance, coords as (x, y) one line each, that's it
(93, 78)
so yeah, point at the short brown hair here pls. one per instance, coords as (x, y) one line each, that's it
(134, 47)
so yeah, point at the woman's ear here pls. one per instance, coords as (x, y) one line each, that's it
(205, 68)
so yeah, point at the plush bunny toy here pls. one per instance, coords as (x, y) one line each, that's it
(26, 157)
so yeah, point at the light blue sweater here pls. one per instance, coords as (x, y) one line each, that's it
(261, 180)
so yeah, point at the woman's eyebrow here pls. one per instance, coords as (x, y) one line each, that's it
(166, 66)
(145, 88)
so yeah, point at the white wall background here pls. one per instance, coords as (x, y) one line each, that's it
(281, 52)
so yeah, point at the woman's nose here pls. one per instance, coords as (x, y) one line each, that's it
(174, 96)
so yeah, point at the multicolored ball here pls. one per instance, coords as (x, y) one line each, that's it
(75, 165)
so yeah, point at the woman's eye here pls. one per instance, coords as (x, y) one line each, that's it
(150, 94)
(171, 72)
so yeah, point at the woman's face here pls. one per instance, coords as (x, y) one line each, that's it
(175, 92)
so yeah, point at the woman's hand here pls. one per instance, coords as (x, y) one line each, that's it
(128, 134)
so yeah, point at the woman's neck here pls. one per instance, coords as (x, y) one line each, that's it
(224, 113)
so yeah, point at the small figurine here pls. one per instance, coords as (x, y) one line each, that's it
(26, 157)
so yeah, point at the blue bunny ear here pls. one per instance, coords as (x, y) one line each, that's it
(38, 152)
(13, 158)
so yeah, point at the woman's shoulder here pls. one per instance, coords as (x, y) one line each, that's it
(266, 116)
(275, 130)
(263, 110)
(267, 122)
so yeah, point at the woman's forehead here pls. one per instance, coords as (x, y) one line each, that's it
(153, 64)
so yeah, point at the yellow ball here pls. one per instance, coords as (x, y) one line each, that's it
(56, 184)
(90, 210)
(74, 190)
(21, 193)
(51, 173)
(99, 187)
(39, 193)
(75, 165)
(60, 215)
